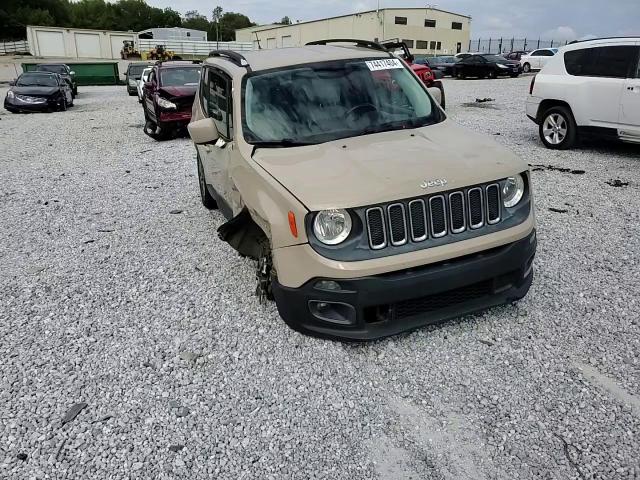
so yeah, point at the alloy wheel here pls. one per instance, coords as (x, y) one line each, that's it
(555, 129)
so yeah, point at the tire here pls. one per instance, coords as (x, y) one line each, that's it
(265, 273)
(207, 200)
(558, 130)
(63, 105)
(72, 102)
(75, 91)
(461, 75)
(492, 74)
(526, 68)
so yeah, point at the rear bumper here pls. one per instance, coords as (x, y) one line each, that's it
(368, 308)
(531, 107)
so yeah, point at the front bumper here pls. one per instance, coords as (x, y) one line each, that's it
(372, 307)
(173, 119)
(17, 106)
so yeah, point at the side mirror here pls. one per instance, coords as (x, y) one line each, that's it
(203, 131)
(12, 83)
(436, 94)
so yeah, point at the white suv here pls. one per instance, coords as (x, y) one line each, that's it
(588, 88)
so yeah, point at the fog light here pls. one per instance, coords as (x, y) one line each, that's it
(327, 285)
(333, 312)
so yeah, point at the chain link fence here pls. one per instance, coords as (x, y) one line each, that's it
(506, 45)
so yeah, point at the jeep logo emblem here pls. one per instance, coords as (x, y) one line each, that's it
(438, 182)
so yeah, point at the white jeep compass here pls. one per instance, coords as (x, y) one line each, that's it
(588, 88)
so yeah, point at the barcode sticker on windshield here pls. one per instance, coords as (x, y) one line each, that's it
(383, 64)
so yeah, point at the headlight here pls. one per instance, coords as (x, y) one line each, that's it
(502, 66)
(166, 104)
(332, 227)
(513, 191)
(10, 94)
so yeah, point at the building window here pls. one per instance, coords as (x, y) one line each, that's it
(432, 46)
(439, 46)
(409, 43)
(188, 34)
(430, 23)
(422, 44)
(401, 20)
(456, 25)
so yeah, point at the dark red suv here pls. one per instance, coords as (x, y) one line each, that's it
(168, 97)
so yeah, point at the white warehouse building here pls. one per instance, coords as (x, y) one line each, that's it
(425, 30)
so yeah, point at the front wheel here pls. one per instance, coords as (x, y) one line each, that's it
(492, 74)
(63, 104)
(558, 130)
(526, 68)
(265, 273)
(207, 200)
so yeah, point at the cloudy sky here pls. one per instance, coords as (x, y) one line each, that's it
(550, 19)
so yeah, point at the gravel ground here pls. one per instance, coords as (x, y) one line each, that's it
(132, 345)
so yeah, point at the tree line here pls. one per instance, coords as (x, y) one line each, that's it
(134, 15)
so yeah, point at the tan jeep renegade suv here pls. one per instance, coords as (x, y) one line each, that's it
(369, 211)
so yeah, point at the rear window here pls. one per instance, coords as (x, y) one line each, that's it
(52, 68)
(612, 62)
(136, 69)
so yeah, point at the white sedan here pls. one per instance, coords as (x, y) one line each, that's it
(537, 59)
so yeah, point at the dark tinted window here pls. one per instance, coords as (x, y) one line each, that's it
(547, 53)
(422, 44)
(438, 45)
(430, 23)
(433, 45)
(409, 43)
(467, 60)
(612, 62)
(456, 25)
(136, 70)
(401, 20)
(52, 68)
(217, 100)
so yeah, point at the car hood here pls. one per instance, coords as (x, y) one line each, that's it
(382, 167)
(181, 91)
(35, 91)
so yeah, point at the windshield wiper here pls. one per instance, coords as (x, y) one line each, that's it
(284, 142)
(395, 125)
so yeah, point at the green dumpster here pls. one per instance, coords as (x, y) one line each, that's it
(104, 73)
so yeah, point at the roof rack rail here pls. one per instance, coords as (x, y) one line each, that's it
(603, 38)
(234, 57)
(359, 43)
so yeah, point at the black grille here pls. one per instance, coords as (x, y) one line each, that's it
(375, 224)
(456, 209)
(397, 224)
(438, 216)
(438, 301)
(476, 217)
(418, 220)
(493, 203)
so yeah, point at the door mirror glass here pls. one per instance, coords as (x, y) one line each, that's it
(203, 131)
(436, 94)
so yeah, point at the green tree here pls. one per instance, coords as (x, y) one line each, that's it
(194, 20)
(285, 21)
(230, 22)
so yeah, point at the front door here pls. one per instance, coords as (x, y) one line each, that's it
(217, 105)
(630, 103)
(148, 96)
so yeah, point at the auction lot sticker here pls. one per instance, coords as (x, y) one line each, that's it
(384, 64)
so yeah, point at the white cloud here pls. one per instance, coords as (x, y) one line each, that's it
(560, 33)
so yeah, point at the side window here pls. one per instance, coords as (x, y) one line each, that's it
(547, 53)
(536, 53)
(610, 62)
(217, 104)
